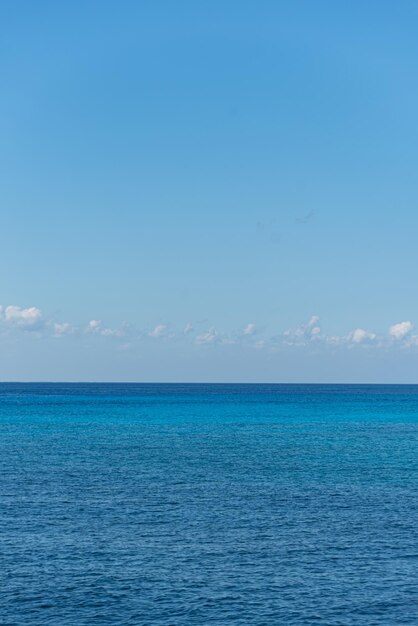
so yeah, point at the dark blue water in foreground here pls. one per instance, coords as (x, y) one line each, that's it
(216, 504)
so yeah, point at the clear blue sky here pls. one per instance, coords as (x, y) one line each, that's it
(203, 178)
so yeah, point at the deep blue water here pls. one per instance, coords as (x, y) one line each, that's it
(208, 504)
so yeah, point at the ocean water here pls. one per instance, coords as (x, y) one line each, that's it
(208, 504)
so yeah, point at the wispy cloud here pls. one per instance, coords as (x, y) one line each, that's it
(303, 333)
(63, 328)
(158, 331)
(96, 327)
(207, 337)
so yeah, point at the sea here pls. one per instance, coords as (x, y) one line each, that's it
(220, 504)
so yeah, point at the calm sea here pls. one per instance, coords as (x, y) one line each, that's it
(208, 504)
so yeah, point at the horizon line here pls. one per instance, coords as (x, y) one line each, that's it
(153, 382)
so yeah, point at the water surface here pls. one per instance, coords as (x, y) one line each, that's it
(208, 504)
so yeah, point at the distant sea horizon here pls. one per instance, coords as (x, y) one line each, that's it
(203, 382)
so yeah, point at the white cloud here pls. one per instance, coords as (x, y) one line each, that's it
(303, 333)
(313, 321)
(15, 318)
(158, 331)
(63, 328)
(111, 332)
(207, 337)
(18, 317)
(96, 327)
(93, 326)
(228, 341)
(359, 335)
(400, 330)
(412, 341)
(334, 340)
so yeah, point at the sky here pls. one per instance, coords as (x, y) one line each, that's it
(209, 191)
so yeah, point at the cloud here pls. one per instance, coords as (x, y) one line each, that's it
(18, 317)
(111, 332)
(303, 333)
(15, 319)
(359, 335)
(335, 340)
(94, 326)
(207, 337)
(412, 340)
(400, 330)
(158, 331)
(313, 321)
(63, 328)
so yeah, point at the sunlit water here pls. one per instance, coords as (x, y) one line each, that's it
(220, 504)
